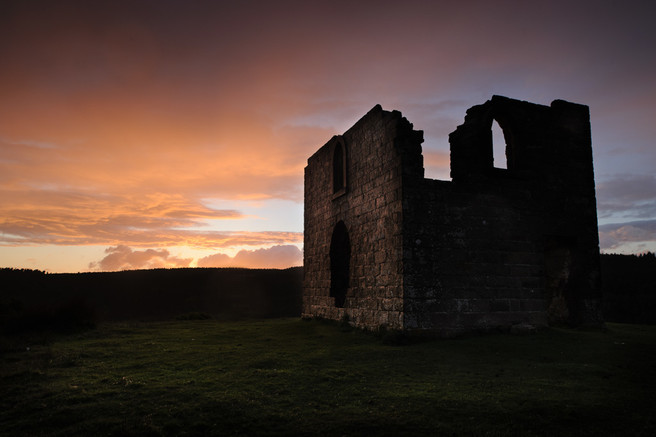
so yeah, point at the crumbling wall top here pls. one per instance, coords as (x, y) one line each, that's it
(536, 137)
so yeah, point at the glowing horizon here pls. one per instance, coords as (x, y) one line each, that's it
(175, 134)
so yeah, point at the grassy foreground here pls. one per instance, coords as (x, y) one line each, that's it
(293, 377)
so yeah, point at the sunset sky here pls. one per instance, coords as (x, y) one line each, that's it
(140, 134)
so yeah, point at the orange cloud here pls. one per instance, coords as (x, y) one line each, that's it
(46, 216)
(124, 258)
(276, 257)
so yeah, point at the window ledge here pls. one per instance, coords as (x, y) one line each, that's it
(339, 193)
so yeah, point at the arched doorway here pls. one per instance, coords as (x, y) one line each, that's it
(340, 259)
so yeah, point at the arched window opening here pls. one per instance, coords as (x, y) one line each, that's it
(499, 146)
(340, 260)
(339, 168)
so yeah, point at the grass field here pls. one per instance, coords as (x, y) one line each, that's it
(293, 377)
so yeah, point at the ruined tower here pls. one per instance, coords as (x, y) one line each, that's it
(493, 248)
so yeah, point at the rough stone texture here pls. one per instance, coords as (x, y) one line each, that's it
(493, 248)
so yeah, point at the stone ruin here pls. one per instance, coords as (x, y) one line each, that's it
(494, 248)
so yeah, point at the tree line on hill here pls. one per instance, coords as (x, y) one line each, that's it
(69, 300)
(31, 298)
(628, 283)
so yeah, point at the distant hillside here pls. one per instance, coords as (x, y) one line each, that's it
(157, 294)
(628, 285)
(629, 288)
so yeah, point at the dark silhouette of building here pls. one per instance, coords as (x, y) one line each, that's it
(493, 248)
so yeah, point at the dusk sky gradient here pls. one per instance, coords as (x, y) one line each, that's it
(141, 134)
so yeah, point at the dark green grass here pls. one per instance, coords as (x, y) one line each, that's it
(292, 377)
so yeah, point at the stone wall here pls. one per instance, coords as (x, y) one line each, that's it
(491, 249)
(471, 262)
(371, 209)
(501, 247)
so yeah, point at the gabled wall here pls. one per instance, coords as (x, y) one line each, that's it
(370, 208)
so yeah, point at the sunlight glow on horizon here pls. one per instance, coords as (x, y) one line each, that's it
(178, 132)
